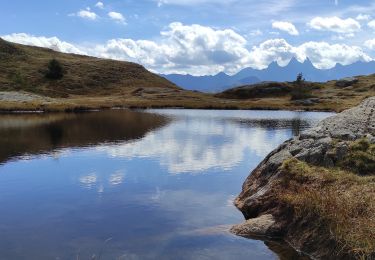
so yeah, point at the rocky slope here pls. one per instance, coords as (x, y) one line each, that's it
(315, 190)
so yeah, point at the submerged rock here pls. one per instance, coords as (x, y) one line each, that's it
(325, 145)
(255, 226)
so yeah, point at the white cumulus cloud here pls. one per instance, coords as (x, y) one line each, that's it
(87, 14)
(118, 17)
(202, 50)
(371, 24)
(370, 44)
(322, 54)
(99, 5)
(335, 24)
(40, 41)
(286, 27)
(271, 50)
(325, 55)
(192, 49)
(363, 17)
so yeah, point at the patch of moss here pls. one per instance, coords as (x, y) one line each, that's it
(360, 158)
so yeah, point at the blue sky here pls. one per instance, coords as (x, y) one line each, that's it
(198, 36)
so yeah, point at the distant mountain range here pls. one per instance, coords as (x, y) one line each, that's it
(274, 72)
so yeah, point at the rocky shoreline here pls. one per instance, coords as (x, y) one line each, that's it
(294, 192)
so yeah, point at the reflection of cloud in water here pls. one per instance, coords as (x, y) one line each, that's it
(215, 205)
(116, 178)
(94, 180)
(88, 181)
(198, 145)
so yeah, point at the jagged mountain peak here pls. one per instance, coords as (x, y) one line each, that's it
(307, 61)
(273, 65)
(274, 72)
(221, 74)
(294, 61)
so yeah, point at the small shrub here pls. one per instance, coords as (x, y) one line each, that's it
(300, 90)
(55, 70)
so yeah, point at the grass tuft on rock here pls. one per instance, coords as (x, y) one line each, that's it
(361, 158)
(338, 202)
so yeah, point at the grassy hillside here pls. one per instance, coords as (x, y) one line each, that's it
(23, 68)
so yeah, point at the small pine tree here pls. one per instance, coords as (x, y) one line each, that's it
(300, 79)
(55, 70)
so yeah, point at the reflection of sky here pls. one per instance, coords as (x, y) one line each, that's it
(58, 204)
(193, 147)
(93, 180)
(241, 114)
(201, 140)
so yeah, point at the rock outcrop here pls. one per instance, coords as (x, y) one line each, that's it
(258, 90)
(324, 145)
(346, 82)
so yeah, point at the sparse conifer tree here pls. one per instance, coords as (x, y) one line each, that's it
(55, 70)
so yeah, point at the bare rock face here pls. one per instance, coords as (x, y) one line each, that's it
(324, 145)
(348, 125)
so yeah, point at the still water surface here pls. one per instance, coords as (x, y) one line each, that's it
(156, 184)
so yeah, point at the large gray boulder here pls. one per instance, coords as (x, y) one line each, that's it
(324, 145)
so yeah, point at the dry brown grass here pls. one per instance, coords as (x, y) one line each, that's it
(23, 68)
(340, 203)
(330, 96)
(182, 99)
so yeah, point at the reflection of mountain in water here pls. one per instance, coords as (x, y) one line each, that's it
(296, 124)
(33, 134)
